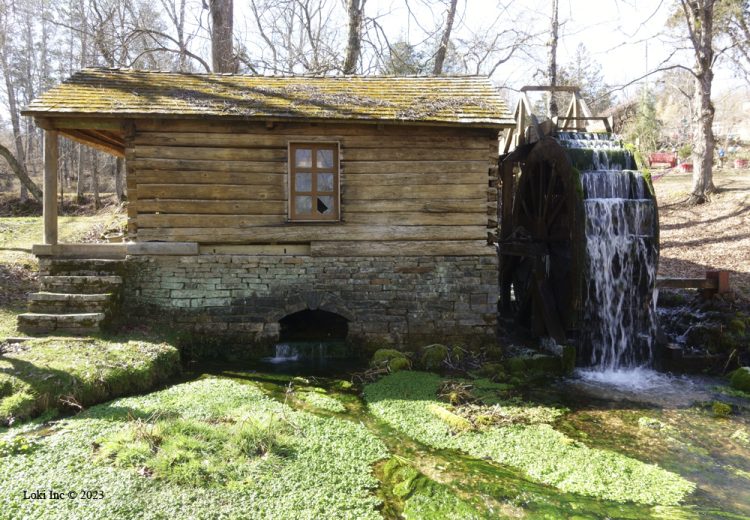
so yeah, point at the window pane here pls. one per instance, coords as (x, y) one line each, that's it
(325, 182)
(325, 205)
(325, 158)
(303, 205)
(303, 158)
(303, 182)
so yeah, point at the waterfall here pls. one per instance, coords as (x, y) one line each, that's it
(621, 255)
(290, 352)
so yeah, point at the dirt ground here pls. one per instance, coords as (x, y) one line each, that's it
(710, 236)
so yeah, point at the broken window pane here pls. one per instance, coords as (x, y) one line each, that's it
(303, 205)
(303, 182)
(303, 158)
(325, 158)
(325, 182)
(325, 205)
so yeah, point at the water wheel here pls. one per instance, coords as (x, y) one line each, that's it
(544, 250)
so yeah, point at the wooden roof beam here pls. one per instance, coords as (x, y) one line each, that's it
(84, 137)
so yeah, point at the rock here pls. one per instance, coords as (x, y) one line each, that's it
(740, 379)
(399, 363)
(433, 356)
(383, 357)
(568, 359)
(721, 410)
(494, 371)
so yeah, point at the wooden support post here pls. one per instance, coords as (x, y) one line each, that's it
(50, 186)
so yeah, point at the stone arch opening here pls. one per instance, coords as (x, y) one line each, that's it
(313, 325)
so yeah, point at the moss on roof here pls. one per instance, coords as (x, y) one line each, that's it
(469, 100)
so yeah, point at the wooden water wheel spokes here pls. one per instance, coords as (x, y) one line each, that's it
(543, 257)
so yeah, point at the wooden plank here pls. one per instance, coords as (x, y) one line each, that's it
(686, 283)
(427, 191)
(477, 205)
(106, 251)
(400, 248)
(49, 202)
(203, 165)
(230, 140)
(412, 154)
(212, 207)
(258, 249)
(307, 232)
(211, 192)
(211, 154)
(162, 248)
(407, 167)
(88, 123)
(208, 177)
(417, 179)
(84, 137)
(146, 220)
(251, 127)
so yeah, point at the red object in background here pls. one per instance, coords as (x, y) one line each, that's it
(662, 158)
(740, 163)
(686, 167)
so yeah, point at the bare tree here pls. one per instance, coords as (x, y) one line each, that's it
(222, 25)
(355, 10)
(445, 39)
(699, 17)
(552, 58)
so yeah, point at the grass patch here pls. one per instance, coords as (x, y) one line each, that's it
(404, 401)
(60, 373)
(317, 398)
(321, 467)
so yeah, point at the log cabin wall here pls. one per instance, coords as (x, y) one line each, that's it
(404, 189)
(408, 264)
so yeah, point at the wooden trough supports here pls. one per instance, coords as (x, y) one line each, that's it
(715, 282)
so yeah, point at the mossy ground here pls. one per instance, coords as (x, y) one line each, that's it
(69, 373)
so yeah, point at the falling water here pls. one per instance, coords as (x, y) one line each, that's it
(621, 255)
(293, 352)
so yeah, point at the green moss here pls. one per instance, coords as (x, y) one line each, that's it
(721, 410)
(398, 364)
(322, 401)
(741, 436)
(516, 365)
(568, 359)
(493, 371)
(740, 379)
(546, 455)
(455, 422)
(493, 353)
(422, 497)
(651, 423)
(433, 356)
(259, 458)
(47, 373)
(382, 357)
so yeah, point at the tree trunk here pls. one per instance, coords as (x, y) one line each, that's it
(552, 60)
(222, 22)
(80, 184)
(445, 40)
(119, 191)
(95, 179)
(20, 170)
(355, 9)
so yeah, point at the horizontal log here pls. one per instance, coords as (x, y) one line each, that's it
(315, 129)
(427, 191)
(209, 177)
(407, 167)
(211, 192)
(428, 248)
(213, 207)
(212, 154)
(222, 166)
(415, 179)
(312, 232)
(258, 249)
(104, 251)
(247, 221)
(442, 206)
(234, 140)
(162, 248)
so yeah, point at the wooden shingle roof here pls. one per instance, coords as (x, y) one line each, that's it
(453, 100)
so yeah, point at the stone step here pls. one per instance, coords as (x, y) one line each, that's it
(40, 323)
(77, 284)
(50, 302)
(81, 267)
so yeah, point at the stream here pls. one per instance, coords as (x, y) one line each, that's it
(662, 420)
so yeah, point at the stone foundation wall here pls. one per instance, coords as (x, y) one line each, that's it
(399, 301)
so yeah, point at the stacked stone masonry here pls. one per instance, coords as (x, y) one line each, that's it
(400, 301)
